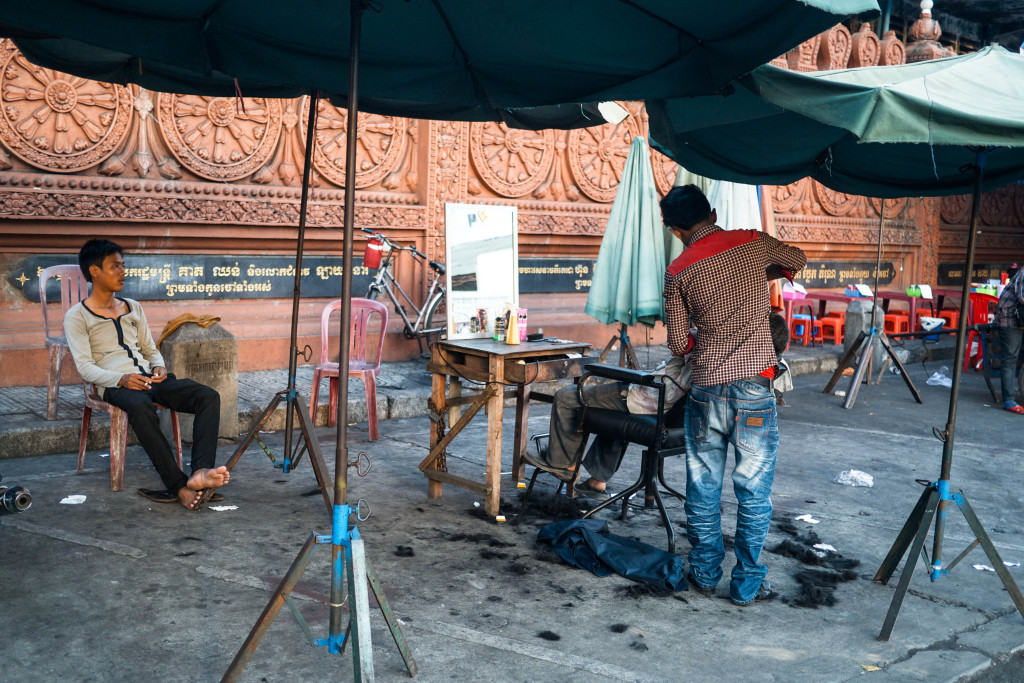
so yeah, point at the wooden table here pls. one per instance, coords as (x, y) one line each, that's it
(821, 298)
(507, 371)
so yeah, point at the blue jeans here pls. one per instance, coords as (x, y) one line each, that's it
(741, 413)
(1009, 342)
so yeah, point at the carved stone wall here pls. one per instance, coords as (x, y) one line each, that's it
(165, 173)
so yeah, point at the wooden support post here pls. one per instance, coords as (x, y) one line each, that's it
(495, 408)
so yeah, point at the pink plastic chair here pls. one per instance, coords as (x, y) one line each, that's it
(73, 288)
(118, 434)
(359, 365)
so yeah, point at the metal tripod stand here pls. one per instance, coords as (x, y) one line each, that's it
(866, 343)
(348, 556)
(935, 499)
(295, 406)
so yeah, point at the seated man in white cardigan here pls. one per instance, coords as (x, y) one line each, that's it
(113, 348)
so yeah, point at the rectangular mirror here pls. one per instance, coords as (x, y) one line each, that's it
(482, 257)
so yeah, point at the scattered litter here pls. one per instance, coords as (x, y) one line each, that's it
(521, 485)
(266, 431)
(104, 455)
(222, 508)
(941, 378)
(824, 546)
(839, 393)
(188, 553)
(854, 478)
(983, 568)
(870, 667)
(476, 504)
(76, 499)
(400, 622)
(499, 518)
(807, 518)
(1011, 564)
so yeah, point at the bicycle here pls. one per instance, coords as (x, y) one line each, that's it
(431, 321)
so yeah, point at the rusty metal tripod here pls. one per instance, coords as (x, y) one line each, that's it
(349, 564)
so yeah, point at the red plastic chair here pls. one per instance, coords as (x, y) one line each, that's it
(359, 364)
(73, 288)
(833, 326)
(981, 306)
(118, 434)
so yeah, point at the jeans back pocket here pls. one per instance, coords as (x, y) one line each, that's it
(752, 429)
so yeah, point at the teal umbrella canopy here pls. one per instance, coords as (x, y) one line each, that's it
(630, 271)
(442, 59)
(896, 131)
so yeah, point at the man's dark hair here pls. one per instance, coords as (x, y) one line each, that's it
(684, 207)
(93, 252)
(780, 332)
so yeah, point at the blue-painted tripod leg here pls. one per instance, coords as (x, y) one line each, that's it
(908, 568)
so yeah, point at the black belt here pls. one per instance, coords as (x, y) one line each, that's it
(759, 379)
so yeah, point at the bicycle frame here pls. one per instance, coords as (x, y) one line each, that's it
(385, 282)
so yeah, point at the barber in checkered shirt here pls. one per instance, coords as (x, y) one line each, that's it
(719, 285)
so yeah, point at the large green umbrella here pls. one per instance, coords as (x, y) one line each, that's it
(630, 270)
(443, 59)
(895, 131)
(940, 127)
(449, 59)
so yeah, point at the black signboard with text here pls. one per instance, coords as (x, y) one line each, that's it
(952, 274)
(169, 277)
(545, 275)
(829, 274)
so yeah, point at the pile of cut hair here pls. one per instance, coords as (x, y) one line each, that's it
(817, 586)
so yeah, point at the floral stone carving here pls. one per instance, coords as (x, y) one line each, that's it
(220, 138)
(55, 121)
(379, 143)
(512, 162)
(597, 156)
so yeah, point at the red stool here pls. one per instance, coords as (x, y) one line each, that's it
(809, 329)
(836, 322)
(896, 323)
(951, 316)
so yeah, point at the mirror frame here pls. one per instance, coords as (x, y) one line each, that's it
(457, 212)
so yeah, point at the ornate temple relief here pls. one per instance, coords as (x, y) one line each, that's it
(834, 50)
(865, 47)
(56, 122)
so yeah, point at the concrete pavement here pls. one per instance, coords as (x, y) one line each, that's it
(123, 588)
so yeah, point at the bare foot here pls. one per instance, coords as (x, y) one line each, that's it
(188, 498)
(209, 479)
(594, 485)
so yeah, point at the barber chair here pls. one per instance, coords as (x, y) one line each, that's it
(661, 435)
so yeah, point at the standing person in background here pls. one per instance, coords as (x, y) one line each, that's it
(719, 285)
(1010, 319)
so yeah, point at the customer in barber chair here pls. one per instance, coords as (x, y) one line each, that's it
(557, 450)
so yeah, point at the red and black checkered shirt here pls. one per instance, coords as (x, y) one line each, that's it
(719, 285)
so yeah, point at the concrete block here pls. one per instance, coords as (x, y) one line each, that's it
(858, 319)
(208, 355)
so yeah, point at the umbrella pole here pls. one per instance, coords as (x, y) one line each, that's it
(295, 404)
(936, 496)
(347, 549)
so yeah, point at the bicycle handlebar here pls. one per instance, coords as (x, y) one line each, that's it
(394, 245)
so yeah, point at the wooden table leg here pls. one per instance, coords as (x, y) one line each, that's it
(437, 397)
(522, 431)
(454, 391)
(495, 407)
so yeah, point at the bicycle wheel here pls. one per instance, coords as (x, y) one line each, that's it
(436, 319)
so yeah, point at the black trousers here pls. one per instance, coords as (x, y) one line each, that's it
(183, 396)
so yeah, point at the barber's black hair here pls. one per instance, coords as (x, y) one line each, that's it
(1012, 270)
(780, 332)
(684, 207)
(93, 252)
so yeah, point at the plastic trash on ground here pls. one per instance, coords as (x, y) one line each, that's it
(76, 499)
(941, 378)
(854, 478)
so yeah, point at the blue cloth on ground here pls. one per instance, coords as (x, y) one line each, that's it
(586, 543)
